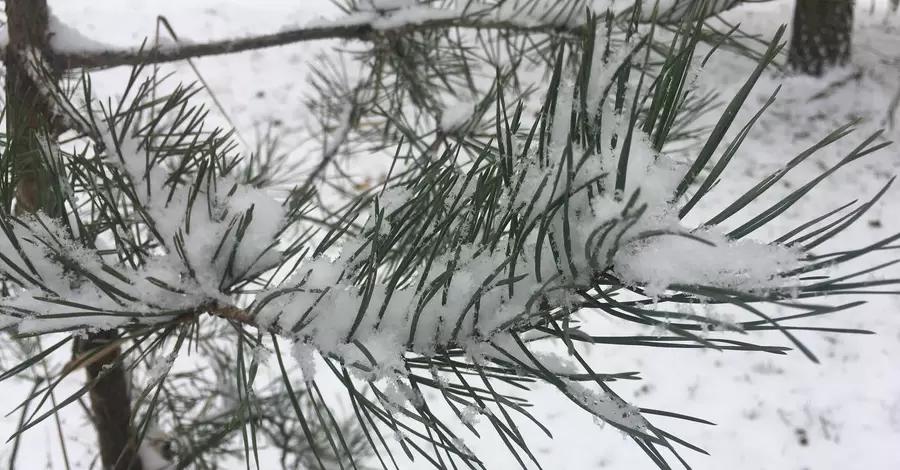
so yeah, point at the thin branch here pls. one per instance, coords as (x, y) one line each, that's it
(368, 27)
(364, 31)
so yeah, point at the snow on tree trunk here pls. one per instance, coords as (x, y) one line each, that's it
(821, 38)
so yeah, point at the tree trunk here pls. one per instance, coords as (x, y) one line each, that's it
(32, 127)
(28, 114)
(822, 32)
(110, 402)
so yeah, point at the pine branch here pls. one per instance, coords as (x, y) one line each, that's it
(461, 265)
(372, 27)
(364, 31)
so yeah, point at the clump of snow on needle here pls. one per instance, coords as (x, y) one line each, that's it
(457, 117)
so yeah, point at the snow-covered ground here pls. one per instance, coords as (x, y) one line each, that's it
(773, 412)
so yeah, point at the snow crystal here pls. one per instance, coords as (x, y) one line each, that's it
(461, 446)
(261, 354)
(396, 393)
(159, 369)
(380, 356)
(470, 414)
(400, 436)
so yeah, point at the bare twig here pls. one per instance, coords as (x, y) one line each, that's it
(366, 28)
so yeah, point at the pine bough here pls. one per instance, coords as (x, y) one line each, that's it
(448, 275)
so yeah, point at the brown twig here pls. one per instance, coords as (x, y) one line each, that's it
(364, 29)
(358, 31)
(88, 357)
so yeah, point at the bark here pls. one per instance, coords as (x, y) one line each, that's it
(28, 113)
(822, 33)
(31, 124)
(110, 402)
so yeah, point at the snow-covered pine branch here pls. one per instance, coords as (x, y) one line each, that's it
(459, 263)
(74, 50)
(215, 232)
(470, 295)
(454, 291)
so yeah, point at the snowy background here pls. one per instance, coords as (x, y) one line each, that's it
(772, 412)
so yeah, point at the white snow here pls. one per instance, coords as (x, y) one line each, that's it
(680, 258)
(262, 354)
(152, 459)
(457, 115)
(219, 211)
(304, 354)
(608, 408)
(384, 5)
(219, 206)
(42, 240)
(66, 39)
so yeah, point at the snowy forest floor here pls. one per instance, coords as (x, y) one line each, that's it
(773, 412)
